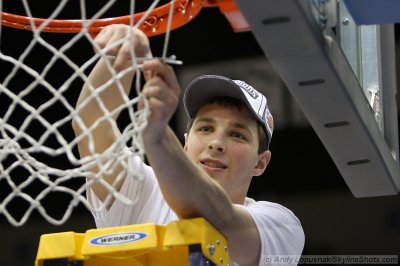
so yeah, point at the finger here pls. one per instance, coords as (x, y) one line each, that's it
(128, 43)
(164, 71)
(109, 41)
(155, 89)
(147, 74)
(111, 34)
(141, 44)
(101, 39)
(123, 56)
(141, 104)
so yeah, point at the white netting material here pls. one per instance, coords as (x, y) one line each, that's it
(38, 151)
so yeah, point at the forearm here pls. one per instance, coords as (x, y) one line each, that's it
(105, 93)
(92, 108)
(188, 189)
(101, 96)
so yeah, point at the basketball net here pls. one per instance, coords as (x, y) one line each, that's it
(39, 160)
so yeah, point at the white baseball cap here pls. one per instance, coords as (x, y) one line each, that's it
(206, 87)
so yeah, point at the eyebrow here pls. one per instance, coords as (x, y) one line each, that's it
(241, 126)
(205, 119)
(212, 120)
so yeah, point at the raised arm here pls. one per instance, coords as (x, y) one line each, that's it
(89, 109)
(189, 191)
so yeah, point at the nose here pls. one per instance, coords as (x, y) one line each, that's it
(216, 145)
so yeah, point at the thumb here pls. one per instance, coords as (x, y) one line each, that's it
(141, 104)
(148, 74)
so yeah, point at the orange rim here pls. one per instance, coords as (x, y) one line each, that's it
(156, 22)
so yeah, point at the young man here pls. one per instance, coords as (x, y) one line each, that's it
(225, 146)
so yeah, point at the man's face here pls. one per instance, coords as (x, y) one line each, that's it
(223, 141)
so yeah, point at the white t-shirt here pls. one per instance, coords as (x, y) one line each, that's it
(280, 231)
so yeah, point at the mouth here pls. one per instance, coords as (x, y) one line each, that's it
(214, 164)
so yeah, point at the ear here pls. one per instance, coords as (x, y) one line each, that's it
(263, 161)
(186, 139)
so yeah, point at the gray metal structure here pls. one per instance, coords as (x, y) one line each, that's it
(361, 138)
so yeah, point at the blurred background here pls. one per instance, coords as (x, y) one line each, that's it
(301, 175)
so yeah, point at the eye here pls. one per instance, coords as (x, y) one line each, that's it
(204, 129)
(238, 135)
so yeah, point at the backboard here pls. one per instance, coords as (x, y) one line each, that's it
(343, 77)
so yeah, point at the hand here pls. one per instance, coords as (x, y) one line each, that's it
(117, 41)
(162, 92)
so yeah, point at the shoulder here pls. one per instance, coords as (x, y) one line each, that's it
(279, 229)
(272, 213)
(267, 208)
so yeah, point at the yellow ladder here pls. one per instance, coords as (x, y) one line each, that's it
(179, 243)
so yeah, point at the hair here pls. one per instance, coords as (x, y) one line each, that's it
(226, 101)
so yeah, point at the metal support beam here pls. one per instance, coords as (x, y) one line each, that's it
(315, 70)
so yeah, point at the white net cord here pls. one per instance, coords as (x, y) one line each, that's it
(39, 159)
